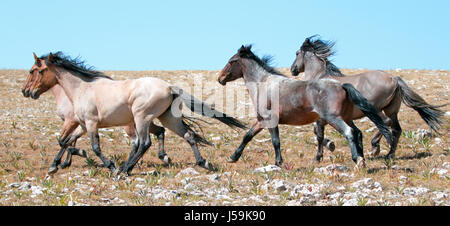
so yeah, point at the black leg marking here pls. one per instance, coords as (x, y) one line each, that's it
(256, 128)
(274, 133)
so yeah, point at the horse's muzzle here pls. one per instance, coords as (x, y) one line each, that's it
(222, 81)
(294, 71)
(35, 95)
(25, 93)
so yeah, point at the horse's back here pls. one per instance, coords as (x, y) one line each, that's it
(378, 87)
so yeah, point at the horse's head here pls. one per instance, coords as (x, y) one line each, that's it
(234, 68)
(40, 78)
(314, 53)
(299, 63)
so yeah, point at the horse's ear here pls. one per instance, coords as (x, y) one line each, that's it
(50, 58)
(244, 50)
(35, 57)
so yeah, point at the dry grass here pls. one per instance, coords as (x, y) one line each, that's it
(28, 144)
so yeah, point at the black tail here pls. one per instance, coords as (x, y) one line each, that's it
(431, 114)
(363, 104)
(205, 109)
(188, 124)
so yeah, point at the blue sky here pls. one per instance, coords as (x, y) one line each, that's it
(171, 35)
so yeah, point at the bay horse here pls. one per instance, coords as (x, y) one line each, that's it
(278, 99)
(99, 101)
(71, 130)
(383, 90)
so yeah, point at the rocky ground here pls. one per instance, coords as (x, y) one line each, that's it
(418, 176)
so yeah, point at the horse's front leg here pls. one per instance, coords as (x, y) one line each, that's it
(319, 127)
(68, 127)
(72, 150)
(92, 130)
(256, 128)
(275, 135)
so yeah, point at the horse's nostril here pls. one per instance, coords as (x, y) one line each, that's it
(34, 95)
(26, 93)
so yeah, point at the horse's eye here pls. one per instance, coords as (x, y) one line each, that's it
(31, 71)
(41, 72)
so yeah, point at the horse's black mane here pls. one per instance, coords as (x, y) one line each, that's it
(322, 49)
(264, 62)
(75, 65)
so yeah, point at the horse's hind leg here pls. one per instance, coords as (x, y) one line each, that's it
(143, 142)
(176, 125)
(325, 141)
(275, 135)
(354, 138)
(376, 139)
(396, 133)
(160, 134)
(319, 128)
(256, 128)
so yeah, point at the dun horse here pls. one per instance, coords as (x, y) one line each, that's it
(281, 100)
(135, 101)
(383, 90)
(64, 110)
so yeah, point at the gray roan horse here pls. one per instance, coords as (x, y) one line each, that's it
(383, 90)
(280, 100)
(99, 102)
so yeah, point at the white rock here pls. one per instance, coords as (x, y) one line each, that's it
(140, 179)
(268, 168)
(14, 185)
(214, 178)
(351, 202)
(189, 187)
(447, 113)
(441, 172)
(25, 186)
(437, 140)
(188, 171)
(415, 191)
(36, 190)
(279, 185)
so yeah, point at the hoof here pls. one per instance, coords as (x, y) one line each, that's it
(52, 170)
(331, 146)
(360, 164)
(64, 165)
(279, 164)
(231, 160)
(166, 160)
(389, 156)
(318, 159)
(206, 165)
(83, 153)
(375, 152)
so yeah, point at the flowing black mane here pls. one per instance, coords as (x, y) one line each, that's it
(75, 65)
(323, 50)
(264, 62)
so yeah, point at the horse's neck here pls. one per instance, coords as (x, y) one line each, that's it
(58, 93)
(69, 83)
(260, 84)
(315, 70)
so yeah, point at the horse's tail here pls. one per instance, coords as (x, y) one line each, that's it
(363, 104)
(431, 114)
(205, 109)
